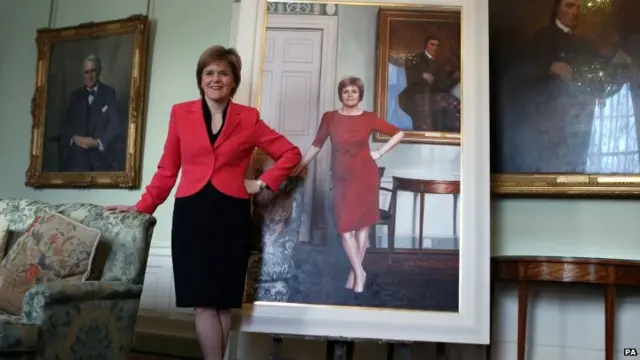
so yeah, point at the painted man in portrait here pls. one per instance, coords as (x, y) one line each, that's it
(549, 114)
(427, 98)
(91, 124)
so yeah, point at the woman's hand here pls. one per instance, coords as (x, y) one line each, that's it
(299, 170)
(376, 155)
(253, 186)
(121, 208)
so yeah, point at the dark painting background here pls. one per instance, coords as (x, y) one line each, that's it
(283, 269)
(611, 130)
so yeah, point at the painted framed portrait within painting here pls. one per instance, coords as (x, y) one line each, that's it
(88, 105)
(565, 83)
(418, 74)
(366, 233)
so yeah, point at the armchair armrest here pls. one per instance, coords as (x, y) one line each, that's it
(44, 295)
(83, 320)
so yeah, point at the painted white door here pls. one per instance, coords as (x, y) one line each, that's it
(291, 94)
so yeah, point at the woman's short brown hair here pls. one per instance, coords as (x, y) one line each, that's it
(351, 81)
(220, 53)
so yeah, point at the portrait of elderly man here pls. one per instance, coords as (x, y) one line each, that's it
(91, 125)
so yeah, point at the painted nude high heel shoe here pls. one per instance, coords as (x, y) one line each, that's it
(359, 285)
(350, 281)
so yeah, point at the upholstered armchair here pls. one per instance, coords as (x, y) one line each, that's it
(92, 319)
(278, 219)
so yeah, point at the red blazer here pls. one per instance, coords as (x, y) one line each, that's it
(225, 163)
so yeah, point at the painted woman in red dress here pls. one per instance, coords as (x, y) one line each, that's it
(355, 179)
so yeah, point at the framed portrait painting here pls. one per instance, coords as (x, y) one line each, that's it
(88, 105)
(370, 233)
(418, 83)
(565, 92)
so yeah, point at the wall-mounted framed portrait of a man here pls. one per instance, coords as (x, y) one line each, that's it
(88, 105)
(565, 82)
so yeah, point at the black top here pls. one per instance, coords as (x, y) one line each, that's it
(208, 119)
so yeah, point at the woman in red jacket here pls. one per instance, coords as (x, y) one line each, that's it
(212, 140)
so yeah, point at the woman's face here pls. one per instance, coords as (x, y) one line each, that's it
(217, 81)
(350, 96)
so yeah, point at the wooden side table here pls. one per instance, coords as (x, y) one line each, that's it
(526, 270)
(422, 187)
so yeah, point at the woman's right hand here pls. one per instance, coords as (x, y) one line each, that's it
(121, 208)
(299, 170)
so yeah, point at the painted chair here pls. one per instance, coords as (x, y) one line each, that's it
(278, 219)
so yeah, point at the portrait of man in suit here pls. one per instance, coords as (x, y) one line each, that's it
(87, 108)
(88, 105)
(91, 124)
(419, 59)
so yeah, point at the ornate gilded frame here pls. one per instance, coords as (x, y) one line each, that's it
(385, 16)
(130, 177)
(565, 185)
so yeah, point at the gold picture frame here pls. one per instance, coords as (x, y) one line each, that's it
(565, 185)
(116, 50)
(443, 26)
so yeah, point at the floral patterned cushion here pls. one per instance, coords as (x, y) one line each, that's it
(13, 286)
(53, 248)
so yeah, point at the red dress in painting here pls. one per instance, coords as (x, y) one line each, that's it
(355, 179)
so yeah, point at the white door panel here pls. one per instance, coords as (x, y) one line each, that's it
(291, 95)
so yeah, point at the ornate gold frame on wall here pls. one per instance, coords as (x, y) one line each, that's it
(385, 15)
(130, 177)
(566, 185)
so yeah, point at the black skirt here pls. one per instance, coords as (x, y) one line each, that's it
(210, 247)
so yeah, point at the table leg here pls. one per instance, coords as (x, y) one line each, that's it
(276, 347)
(421, 224)
(440, 351)
(340, 350)
(403, 350)
(523, 307)
(487, 354)
(391, 238)
(610, 322)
